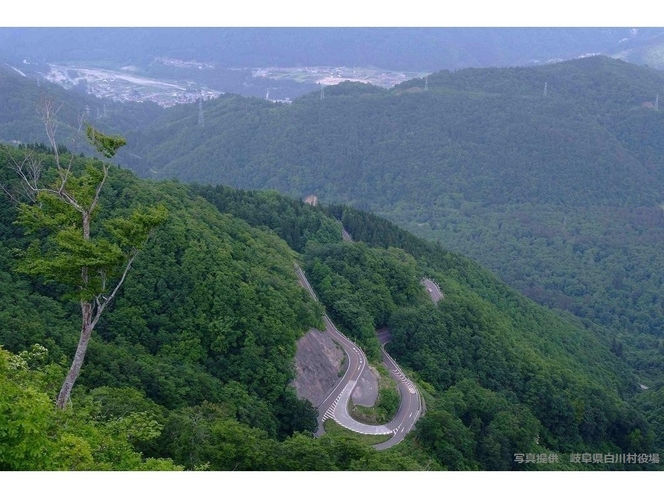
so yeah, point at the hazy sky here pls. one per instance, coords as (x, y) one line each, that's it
(338, 13)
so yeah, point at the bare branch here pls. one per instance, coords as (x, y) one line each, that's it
(64, 172)
(13, 199)
(48, 113)
(29, 171)
(95, 200)
(101, 305)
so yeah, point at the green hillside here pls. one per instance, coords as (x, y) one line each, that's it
(470, 129)
(191, 366)
(546, 175)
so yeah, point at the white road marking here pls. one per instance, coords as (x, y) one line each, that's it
(398, 374)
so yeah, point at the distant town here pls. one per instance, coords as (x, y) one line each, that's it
(127, 84)
(333, 75)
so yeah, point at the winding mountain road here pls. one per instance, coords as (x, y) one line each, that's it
(335, 406)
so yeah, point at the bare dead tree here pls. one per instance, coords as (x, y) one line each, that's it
(30, 167)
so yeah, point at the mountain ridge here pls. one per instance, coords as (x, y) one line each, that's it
(488, 359)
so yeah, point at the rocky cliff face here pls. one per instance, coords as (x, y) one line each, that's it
(318, 364)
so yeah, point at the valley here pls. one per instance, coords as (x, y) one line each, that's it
(181, 81)
(530, 196)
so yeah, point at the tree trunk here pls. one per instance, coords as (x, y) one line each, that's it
(74, 370)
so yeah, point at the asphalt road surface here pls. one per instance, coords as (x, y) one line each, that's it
(335, 405)
(432, 288)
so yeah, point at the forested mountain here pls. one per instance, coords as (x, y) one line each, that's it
(579, 130)
(191, 366)
(174, 65)
(547, 175)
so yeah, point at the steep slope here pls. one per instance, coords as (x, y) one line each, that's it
(547, 373)
(554, 168)
(199, 347)
(471, 129)
(210, 302)
(192, 364)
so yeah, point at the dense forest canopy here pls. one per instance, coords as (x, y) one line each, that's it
(554, 167)
(192, 367)
(202, 336)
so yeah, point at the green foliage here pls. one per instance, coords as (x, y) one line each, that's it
(651, 403)
(559, 194)
(20, 122)
(24, 421)
(192, 368)
(448, 440)
(511, 372)
(216, 293)
(211, 311)
(104, 144)
(67, 248)
(362, 287)
(388, 402)
(36, 436)
(294, 221)
(95, 267)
